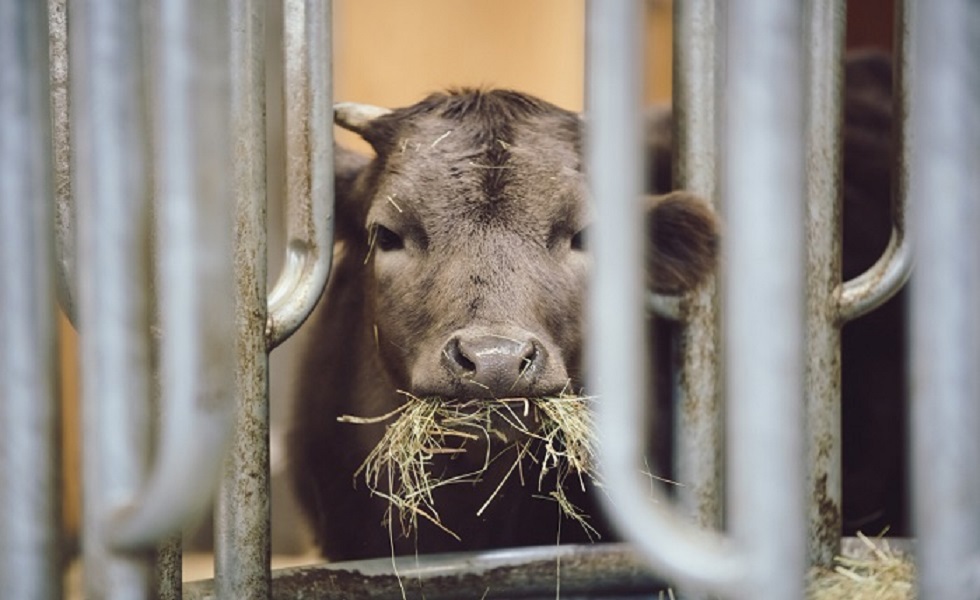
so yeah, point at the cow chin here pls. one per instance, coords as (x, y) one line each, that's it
(490, 363)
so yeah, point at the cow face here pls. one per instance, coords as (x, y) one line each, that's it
(473, 216)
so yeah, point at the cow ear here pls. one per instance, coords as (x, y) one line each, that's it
(357, 117)
(683, 238)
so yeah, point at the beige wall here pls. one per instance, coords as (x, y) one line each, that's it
(394, 52)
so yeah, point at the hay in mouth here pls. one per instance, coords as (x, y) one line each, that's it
(556, 433)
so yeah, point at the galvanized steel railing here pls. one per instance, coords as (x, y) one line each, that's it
(699, 30)
(242, 533)
(764, 244)
(149, 206)
(698, 75)
(151, 166)
(30, 540)
(944, 179)
(154, 173)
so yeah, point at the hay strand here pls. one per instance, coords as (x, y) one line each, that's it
(879, 573)
(555, 433)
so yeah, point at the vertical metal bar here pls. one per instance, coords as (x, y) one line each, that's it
(903, 75)
(243, 517)
(945, 295)
(169, 569)
(194, 243)
(699, 420)
(616, 356)
(29, 443)
(109, 126)
(824, 39)
(64, 215)
(242, 528)
(764, 293)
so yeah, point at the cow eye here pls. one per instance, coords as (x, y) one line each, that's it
(578, 240)
(387, 240)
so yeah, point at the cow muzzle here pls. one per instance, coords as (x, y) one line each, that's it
(476, 363)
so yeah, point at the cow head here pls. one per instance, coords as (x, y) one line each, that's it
(472, 221)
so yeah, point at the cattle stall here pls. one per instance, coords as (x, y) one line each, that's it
(174, 417)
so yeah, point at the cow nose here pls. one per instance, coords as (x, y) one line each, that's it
(493, 365)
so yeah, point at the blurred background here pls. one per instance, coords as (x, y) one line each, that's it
(393, 53)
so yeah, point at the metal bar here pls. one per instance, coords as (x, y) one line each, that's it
(764, 293)
(886, 277)
(195, 285)
(30, 541)
(616, 326)
(309, 167)
(243, 535)
(109, 129)
(64, 216)
(169, 569)
(699, 424)
(591, 571)
(824, 40)
(945, 294)
(883, 280)
(242, 528)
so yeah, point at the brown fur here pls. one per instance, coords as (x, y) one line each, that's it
(466, 227)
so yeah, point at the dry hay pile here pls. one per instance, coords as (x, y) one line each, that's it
(555, 433)
(879, 573)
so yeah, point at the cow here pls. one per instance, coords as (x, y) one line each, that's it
(460, 273)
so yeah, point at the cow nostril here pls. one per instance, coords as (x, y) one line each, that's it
(530, 357)
(457, 357)
(492, 365)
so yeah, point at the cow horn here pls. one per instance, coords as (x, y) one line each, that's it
(356, 117)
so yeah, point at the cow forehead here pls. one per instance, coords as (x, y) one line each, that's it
(446, 168)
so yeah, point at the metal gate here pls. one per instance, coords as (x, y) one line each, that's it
(139, 144)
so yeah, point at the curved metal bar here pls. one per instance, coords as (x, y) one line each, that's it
(765, 255)
(29, 422)
(886, 277)
(196, 291)
(309, 168)
(883, 280)
(617, 358)
(108, 130)
(668, 307)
